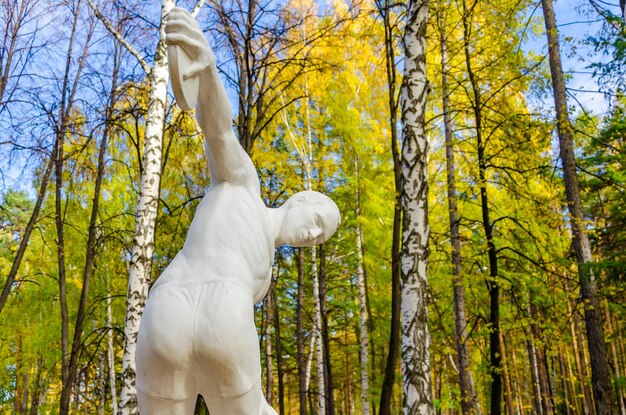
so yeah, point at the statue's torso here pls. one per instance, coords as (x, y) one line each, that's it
(230, 239)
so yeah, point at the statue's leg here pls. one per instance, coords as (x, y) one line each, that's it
(164, 353)
(250, 403)
(150, 405)
(227, 352)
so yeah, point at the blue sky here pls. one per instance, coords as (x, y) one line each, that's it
(574, 23)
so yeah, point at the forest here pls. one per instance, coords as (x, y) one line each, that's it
(475, 148)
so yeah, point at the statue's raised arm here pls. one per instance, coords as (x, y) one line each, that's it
(228, 162)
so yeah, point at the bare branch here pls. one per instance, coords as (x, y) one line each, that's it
(119, 37)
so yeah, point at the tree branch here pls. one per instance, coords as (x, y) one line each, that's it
(120, 38)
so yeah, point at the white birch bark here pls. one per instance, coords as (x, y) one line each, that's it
(317, 334)
(145, 217)
(309, 363)
(360, 281)
(146, 209)
(267, 310)
(417, 392)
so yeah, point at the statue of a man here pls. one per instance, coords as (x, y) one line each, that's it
(197, 333)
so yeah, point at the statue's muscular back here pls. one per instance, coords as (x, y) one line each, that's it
(206, 297)
(230, 239)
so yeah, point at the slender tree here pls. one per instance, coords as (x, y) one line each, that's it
(604, 395)
(385, 11)
(142, 250)
(362, 288)
(302, 381)
(70, 82)
(493, 285)
(417, 392)
(77, 341)
(468, 395)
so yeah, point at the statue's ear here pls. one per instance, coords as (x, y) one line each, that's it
(298, 200)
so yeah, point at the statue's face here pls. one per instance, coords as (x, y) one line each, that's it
(310, 219)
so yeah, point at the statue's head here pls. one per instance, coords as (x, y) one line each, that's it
(309, 218)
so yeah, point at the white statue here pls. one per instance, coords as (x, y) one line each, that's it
(197, 333)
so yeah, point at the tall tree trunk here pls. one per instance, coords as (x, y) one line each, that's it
(585, 394)
(363, 321)
(417, 391)
(506, 377)
(21, 380)
(492, 283)
(616, 368)
(111, 350)
(92, 236)
(328, 378)
(279, 362)
(534, 369)
(302, 377)
(317, 335)
(65, 397)
(468, 396)
(269, 371)
(545, 391)
(565, 399)
(146, 210)
(36, 393)
(600, 370)
(309, 365)
(396, 290)
(61, 127)
(515, 380)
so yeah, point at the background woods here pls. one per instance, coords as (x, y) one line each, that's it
(480, 263)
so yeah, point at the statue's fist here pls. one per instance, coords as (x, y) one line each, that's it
(182, 29)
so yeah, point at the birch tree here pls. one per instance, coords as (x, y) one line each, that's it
(142, 249)
(364, 359)
(417, 393)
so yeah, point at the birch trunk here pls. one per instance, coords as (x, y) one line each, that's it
(360, 281)
(534, 372)
(279, 359)
(317, 335)
(302, 361)
(269, 373)
(417, 391)
(601, 373)
(145, 217)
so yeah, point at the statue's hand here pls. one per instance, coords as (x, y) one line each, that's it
(182, 29)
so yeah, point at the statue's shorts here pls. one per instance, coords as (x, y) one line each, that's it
(198, 337)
